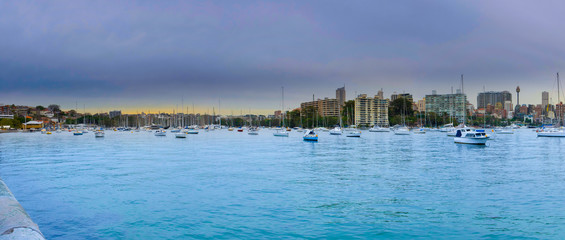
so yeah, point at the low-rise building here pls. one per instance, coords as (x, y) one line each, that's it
(32, 125)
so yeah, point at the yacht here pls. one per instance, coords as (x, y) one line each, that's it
(310, 135)
(470, 136)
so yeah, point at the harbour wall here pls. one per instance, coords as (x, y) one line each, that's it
(15, 223)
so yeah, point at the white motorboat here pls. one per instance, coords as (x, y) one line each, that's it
(352, 132)
(180, 135)
(401, 131)
(310, 135)
(99, 133)
(379, 129)
(470, 136)
(336, 131)
(551, 132)
(160, 133)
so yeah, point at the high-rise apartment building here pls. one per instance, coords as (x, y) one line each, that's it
(327, 107)
(544, 99)
(451, 104)
(493, 98)
(380, 94)
(340, 96)
(115, 113)
(421, 105)
(371, 111)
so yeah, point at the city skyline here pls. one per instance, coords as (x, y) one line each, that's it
(145, 56)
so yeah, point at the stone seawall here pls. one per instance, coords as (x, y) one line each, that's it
(15, 223)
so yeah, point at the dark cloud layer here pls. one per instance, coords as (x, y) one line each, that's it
(243, 51)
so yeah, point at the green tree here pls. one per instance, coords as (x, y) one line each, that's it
(398, 107)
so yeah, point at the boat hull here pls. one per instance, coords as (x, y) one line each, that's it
(311, 139)
(180, 135)
(353, 135)
(471, 141)
(280, 134)
(402, 133)
(551, 134)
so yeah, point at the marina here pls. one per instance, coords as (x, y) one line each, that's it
(225, 184)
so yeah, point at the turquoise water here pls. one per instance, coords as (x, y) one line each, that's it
(224, 184)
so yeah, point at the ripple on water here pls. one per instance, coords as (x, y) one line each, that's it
(231, 185)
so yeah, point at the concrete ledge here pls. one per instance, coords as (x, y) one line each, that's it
(15, 223)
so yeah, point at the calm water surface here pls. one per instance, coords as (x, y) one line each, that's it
(224, 184)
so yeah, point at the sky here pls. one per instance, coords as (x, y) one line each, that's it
(155, 56)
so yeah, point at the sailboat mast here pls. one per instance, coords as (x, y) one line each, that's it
(558, 102)
(464, 103)
(283, 112)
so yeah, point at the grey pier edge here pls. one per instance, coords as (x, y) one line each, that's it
(15, 223)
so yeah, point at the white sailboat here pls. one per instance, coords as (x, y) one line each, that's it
(337, 130)
(465, 135)
(402, 130)
(180, 135)
(379, 129)
(352, 132)
(281, 132)
(558, 131)
(310, 135)
(160, 133)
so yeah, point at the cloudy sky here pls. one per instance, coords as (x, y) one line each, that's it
(152, 55)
